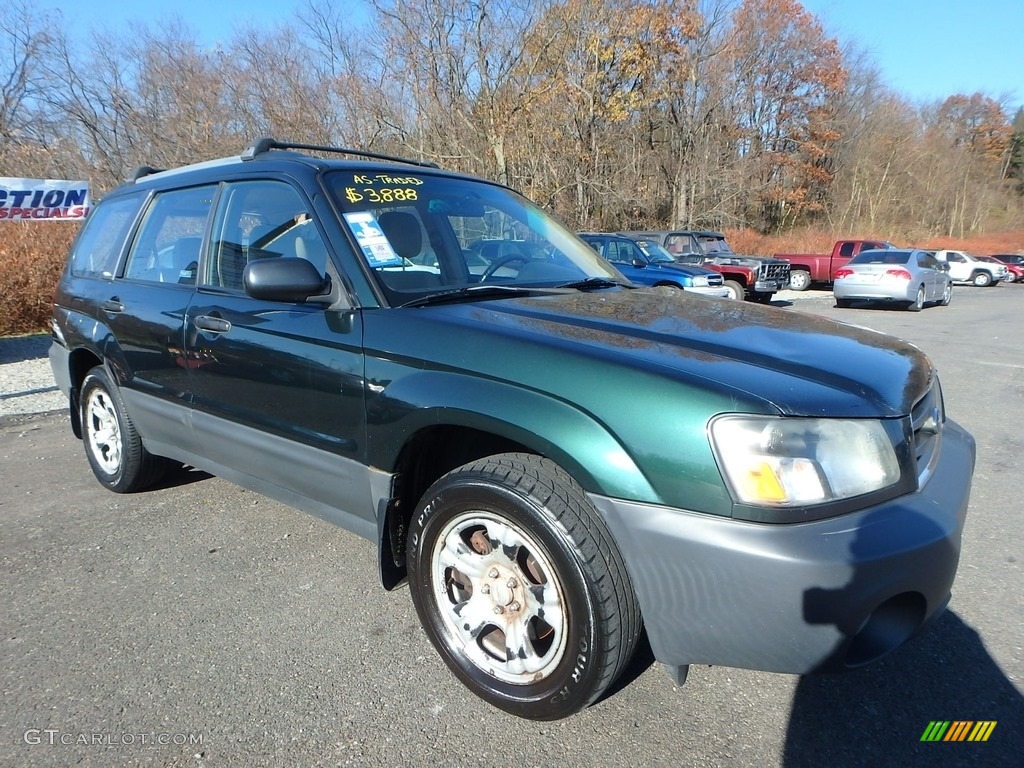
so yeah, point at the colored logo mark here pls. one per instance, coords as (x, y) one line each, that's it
(959, 730)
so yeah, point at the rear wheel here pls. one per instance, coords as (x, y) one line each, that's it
(799, 280)
(519, 586)
(112, 444)
(981, 279)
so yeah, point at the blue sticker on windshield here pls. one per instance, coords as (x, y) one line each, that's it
(375, 246)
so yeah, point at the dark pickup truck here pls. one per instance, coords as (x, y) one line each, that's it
(756, 278)
(805, 269)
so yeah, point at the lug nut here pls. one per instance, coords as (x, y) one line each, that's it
(493, 573)
(498, 609)
(486, 589)
(512, 583)
(514, 606)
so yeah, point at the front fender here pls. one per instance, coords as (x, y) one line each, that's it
(563, 432)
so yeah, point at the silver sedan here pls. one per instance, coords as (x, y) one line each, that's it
(908, 276)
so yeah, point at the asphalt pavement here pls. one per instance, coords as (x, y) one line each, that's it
(204, 625)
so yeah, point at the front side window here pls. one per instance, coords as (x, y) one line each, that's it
(166, 250)
(262, 219)
(421, 233)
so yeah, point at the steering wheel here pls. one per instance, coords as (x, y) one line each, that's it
(500, 262)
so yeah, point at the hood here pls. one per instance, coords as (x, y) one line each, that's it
(756, 358)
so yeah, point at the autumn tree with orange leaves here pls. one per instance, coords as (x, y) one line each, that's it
(617, 114)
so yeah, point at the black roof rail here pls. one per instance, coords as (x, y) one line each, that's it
(145, 170)
(266, 143)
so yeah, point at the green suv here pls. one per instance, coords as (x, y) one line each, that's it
(552, 458)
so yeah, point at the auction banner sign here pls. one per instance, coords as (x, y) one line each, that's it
(43, 199)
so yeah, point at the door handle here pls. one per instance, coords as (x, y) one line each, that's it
(112, 305)
(212, 324)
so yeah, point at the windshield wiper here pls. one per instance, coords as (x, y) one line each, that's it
(474, 292)
(593, 283)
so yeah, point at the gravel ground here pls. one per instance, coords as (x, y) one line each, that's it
(26, 382)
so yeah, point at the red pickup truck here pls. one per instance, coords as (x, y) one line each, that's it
(808, 268)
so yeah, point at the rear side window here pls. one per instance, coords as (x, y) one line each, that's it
(99, 245)
(166, 250)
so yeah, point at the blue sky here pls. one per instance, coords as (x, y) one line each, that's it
(930, 49)
(925, 49)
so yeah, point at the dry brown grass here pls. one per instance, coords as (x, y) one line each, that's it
(32, 256)
(821, 240)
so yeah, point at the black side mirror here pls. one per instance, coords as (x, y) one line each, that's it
(284, 279)
(638, 262)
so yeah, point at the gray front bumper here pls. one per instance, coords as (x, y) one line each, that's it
(796, 598)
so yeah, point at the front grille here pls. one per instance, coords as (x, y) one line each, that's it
(927, 419)
(776, 271)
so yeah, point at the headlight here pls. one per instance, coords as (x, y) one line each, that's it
(781, 462)
(700, 281)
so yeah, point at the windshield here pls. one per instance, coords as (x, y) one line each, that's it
(655, 252)
(423, 234)
(714, 245)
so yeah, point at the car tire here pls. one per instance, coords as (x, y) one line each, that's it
(737, 291)
(981, 279)
(799, 280)
(918, 303)
(112, 444)
(947, 295)
(520, 587)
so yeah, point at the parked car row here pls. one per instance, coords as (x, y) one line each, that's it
(807, 269)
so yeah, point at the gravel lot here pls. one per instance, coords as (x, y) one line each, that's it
(244, 633)
(26, 382)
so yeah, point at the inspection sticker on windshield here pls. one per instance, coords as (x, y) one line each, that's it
(376, 248)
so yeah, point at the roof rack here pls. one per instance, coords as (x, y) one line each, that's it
(145, 170)
(266, 143)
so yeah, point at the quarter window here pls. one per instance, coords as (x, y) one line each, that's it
(99, 246)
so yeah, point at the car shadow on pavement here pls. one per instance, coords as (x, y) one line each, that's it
(181, 476)
(16, 349)
(878, 715)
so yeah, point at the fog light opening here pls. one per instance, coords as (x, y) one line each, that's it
(889, 626)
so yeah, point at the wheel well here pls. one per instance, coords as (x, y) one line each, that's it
(80, 362)
(428, 455)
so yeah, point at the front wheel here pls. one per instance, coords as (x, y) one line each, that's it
(918, 303)
(519, 587)
(736, 291)
(981, 279)
(112, 444)
(799, 280)
(947, 295)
